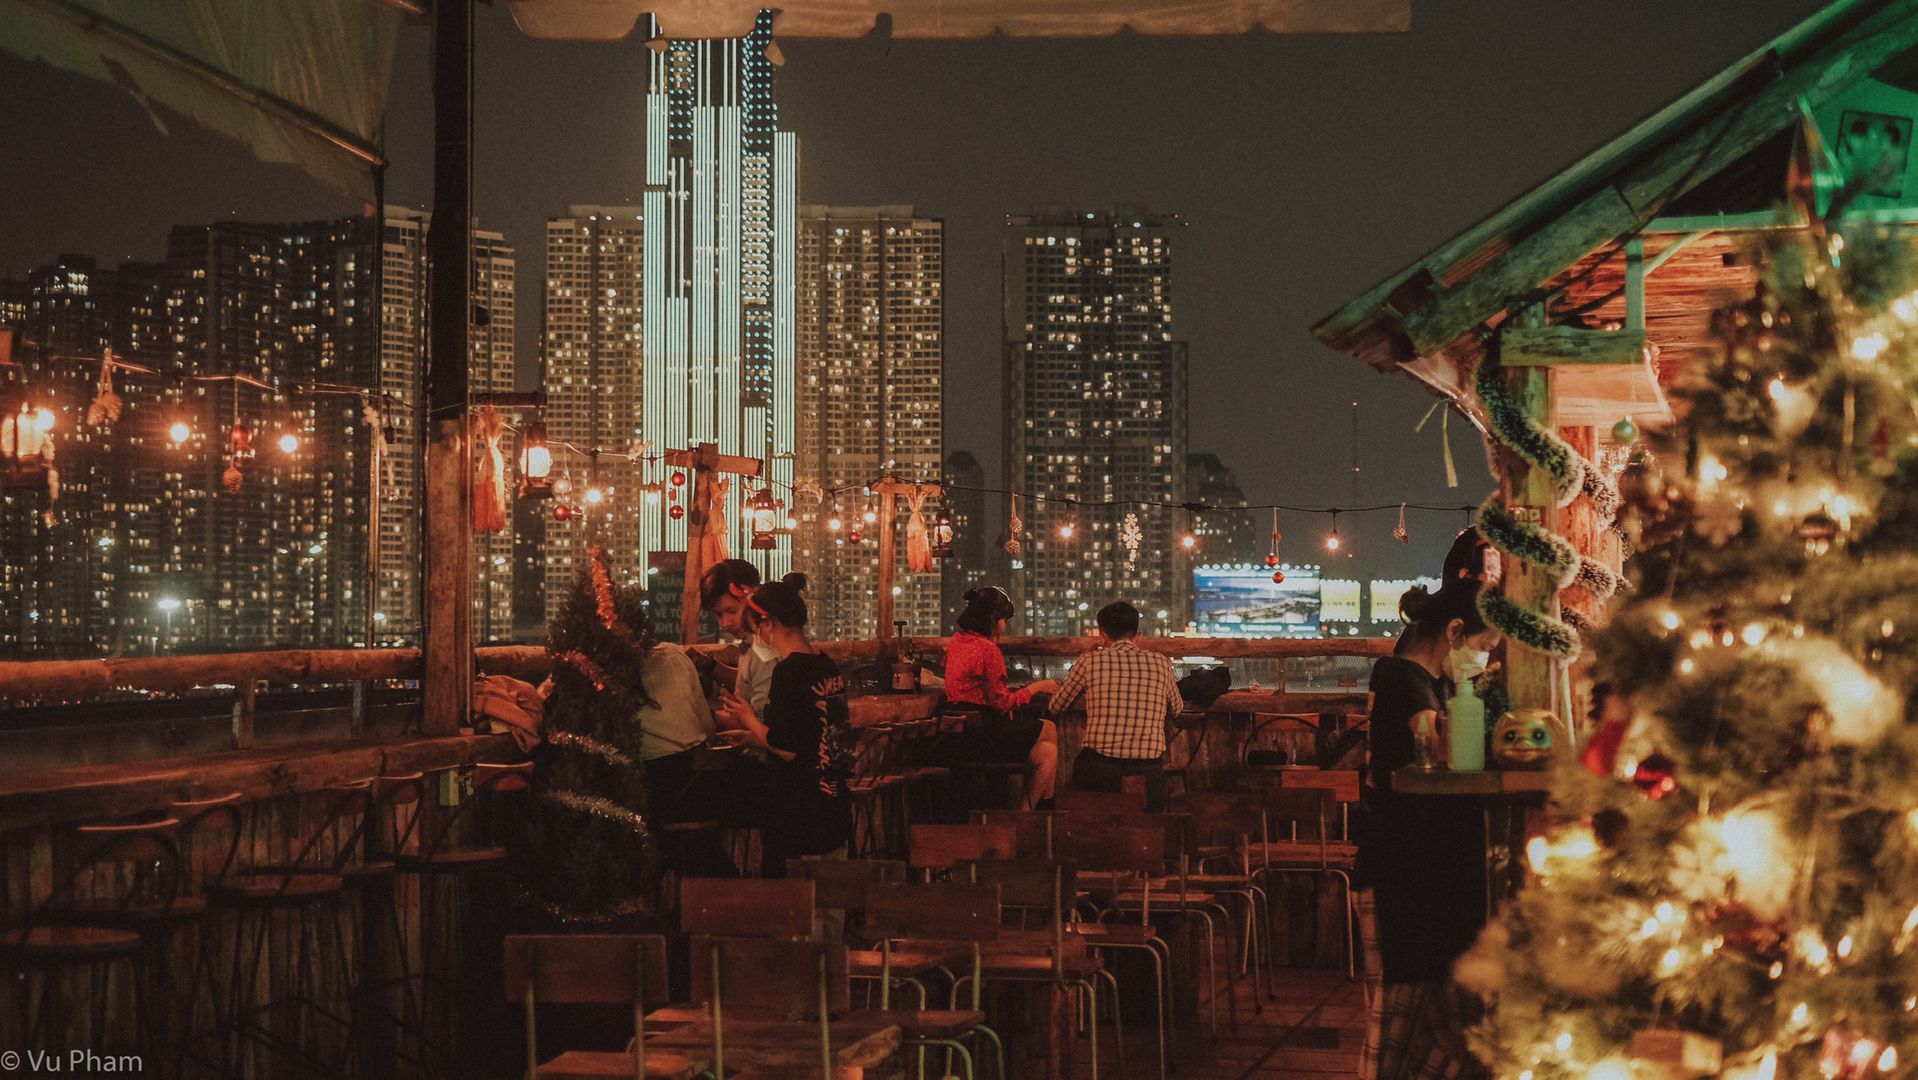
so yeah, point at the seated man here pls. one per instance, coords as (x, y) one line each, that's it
(1129, 695)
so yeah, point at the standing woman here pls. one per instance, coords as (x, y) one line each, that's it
(976, 675)
(1423, 856)
(808, 809)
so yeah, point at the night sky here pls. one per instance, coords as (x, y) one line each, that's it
(1309, 169)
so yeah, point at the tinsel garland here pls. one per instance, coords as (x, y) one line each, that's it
(1597, 578)
(598, 807)
(583, 664)
(1538, 446)
(1546, 550)
(585, 744)
(1534, 630)
(603, 597)
(625, 909)
(1602, 491)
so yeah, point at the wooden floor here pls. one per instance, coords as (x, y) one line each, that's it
(1312, 1031)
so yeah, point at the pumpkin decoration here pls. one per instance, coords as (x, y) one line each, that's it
(1526, 738)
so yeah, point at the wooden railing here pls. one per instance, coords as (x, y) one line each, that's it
(81, 680)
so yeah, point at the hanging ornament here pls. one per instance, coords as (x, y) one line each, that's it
(232, 479)
(1399, 532)
(1272, 552)
(1625, 432)
(1013, 528)
(675, 511)
(679, 478)
(104, 409)
(918, 548)
(239, 440)
(1130, 537)
(562, 511)
(1656, 776)
(1278, 577)
(489, 473)
(854, 537)
(1818, 530)
(1600, 753)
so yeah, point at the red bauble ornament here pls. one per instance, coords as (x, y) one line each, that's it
(240, 438)
(562, 512)
(676, 512)
(679, 479)
(1656, 776)
(1278, 577)
(1272, 561)
(853, 536)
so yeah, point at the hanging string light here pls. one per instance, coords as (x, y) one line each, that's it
(179, 432)
(870, 515)
(535, 461)
(834, 522)
(1333, 541)
(650, 488)
(941, 545)
(289, 443)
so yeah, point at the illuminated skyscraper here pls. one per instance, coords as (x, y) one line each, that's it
(593, 378)
(719, 269)
(871, 348)
(402, 366)
(1096, 410)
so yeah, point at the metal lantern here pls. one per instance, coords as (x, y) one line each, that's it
(535, 462)
(765, 517)
(941, 546)
(26, 445)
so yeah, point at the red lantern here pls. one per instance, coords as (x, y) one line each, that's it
(676, 512)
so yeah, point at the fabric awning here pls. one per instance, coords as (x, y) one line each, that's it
(301, 82)
(606, 20)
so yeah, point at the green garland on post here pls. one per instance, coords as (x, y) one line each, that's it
(1533, 629)
(1546, 550)
(1538, 446)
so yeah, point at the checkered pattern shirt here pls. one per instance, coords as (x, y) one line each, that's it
(1129, 695)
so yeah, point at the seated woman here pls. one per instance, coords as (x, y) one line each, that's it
(808, 811)
(1012, 730)
(674, 722)
(1423, 856)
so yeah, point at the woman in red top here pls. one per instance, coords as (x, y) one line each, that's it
(976, 675)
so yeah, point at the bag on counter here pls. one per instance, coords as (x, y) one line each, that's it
(1205, 686)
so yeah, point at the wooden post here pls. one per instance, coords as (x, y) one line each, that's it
(1527, 490)
(446, 680)
(703, 461)
(243, 697)
(883, 492)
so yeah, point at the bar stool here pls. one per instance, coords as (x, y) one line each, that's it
(280, 913)
(125, 876)
(982, 785)
(444, 865)
(204, 863)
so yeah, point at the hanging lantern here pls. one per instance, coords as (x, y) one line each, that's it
(762, 512)
(942, 535)
(239, 439)
(26, 445)
(535, 462)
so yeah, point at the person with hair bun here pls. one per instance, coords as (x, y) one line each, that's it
(1013, 728)
(1423, 856)
(808, 809)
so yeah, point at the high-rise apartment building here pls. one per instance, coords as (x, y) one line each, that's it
(977, 558)
(1226, 533)
(720, 247)
(871, 352)
(403, 344)
(594, 379)
(1096, 411)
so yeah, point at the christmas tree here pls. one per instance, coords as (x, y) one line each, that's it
(1729, 883)
(587, 859)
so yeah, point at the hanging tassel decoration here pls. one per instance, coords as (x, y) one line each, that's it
(918, 548)
(1443, 408)
(489, 478)
(1130, 537)
(1399, 532)
(1013, 528)
(712, 544)
(104, 409)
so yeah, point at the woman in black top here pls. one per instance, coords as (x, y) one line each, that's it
(1423, 856)
(808, 810)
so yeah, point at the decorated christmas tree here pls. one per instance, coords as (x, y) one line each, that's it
(587, 859)
(1729, 883)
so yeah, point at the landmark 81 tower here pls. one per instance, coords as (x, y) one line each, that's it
(719, 253)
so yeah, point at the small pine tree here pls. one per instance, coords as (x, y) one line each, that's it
(587, 858)
(1733, 860)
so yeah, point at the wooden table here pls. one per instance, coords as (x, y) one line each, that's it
(860, 1040)
(1506, 796)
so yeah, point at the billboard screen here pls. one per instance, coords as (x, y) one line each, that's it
(1244, 601)
(1386, 594)
(1339, 601)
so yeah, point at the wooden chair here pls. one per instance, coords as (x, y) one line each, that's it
(593, 969)
(842, 884)
(1223, 825)
(1057, 954)
(1309, 810)
(956, 912)
(1133, 853)
(942, 847)
(1032, 829)
(997, 785)
(1072, 802)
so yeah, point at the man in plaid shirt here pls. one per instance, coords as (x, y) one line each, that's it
(1129, 696)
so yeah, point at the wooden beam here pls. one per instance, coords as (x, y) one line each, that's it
(1629, 181)
(1527, 490)
(716, 461)
(1552, 346)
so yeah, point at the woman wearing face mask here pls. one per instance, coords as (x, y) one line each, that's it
(1424, 856)
(808, 810)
